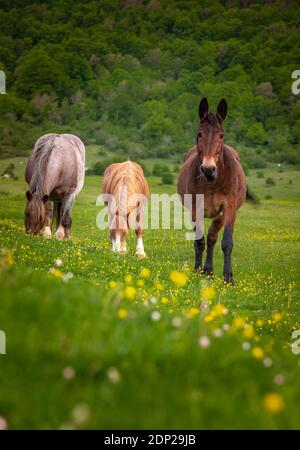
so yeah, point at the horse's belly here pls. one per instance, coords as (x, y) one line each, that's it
(213, 205)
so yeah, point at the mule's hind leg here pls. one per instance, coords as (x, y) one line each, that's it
(227, 244)
(212, 237)
(48, 219)
(65, 223)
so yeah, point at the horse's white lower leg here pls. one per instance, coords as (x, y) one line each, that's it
(140, 252)
(60, 233)
(116, 244)
(123, 247)
(47, 232)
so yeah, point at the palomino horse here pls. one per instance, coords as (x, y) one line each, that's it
(213, 168)
(125, 192)
(54, 172)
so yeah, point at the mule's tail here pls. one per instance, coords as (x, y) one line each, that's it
(250, 197)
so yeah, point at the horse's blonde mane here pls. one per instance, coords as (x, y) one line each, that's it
(42, 151)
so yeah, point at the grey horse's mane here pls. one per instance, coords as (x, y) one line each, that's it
(42, 151)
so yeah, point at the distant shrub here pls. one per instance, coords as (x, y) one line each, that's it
(268, 197)
(290, 181)
(167, 178)
(260, 174)
(270, 182)
(160, 169)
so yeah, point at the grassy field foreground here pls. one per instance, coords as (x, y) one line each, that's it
(99, 341)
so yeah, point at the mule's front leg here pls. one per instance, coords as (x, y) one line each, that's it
(199, 246)
(212, 238)
(227, 246)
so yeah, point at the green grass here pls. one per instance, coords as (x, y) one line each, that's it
(137, 372)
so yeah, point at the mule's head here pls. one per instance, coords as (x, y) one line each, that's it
(35, 213)
(209, 138)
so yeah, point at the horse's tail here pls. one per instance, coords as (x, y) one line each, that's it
(250, 197)
(56, 214)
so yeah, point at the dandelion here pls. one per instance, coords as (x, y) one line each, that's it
(67, 276)
(164, 300)
(276, 316)
(267, 362)
(208, 293)
(58, 262)
(238, 322)
(128, 279)
(176, 322)
(178, 278)
(155, 315)
(220, 310)
(193, 312)
(140, 283)
(246, 346)
(257, 352)
(279, 379)
(113, 375)
(159, 286)
(122, 313)
(81, 414)
(112, 284)
(153, 300)
(259, 323)
(68, 373)
(55, 272)
(145, 273)
(129, 292)
(218, 332)
(249, 332)
(204, 342)
(273, 403)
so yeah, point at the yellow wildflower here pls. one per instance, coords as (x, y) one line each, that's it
(140, 283)
(129, 292)
(276, 316)
(249, 331)
(259, 323)
(145, 273)
(193, 311)
(164, 300)
(257, 352)
(122, 313)
(238, 322)
(220, 310)
(273, 403)
(159, 286)
(112, 284)
(208, 293)
(178, 278)
(128, 279)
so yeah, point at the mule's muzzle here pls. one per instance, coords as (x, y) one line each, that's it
(210, 172)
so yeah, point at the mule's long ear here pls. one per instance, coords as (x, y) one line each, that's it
(28, 195)
(222, 109)
(203, 109)
(45, 198)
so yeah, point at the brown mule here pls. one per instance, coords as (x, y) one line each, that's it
(213, 168)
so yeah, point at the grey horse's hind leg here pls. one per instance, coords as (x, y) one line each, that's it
(65, 223)
(48, 218)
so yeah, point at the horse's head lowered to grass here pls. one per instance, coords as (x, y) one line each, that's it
(35, 212)
(209, 138)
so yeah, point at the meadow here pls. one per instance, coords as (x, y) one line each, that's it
(95, 340)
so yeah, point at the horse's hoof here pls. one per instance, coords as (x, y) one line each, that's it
(47, 235)
(208, 271)
(140, 254)
(59, 235)
(198, 269)
(228, 279)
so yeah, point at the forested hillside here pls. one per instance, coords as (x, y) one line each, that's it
(129, 74)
